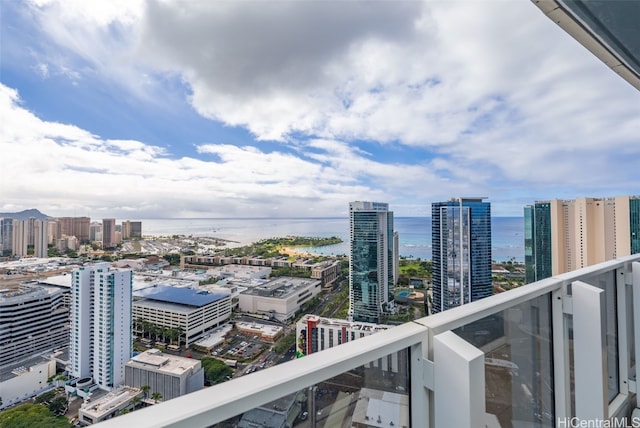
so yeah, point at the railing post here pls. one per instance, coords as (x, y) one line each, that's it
(419, 394)
(561, 363)
(459, 383)
(590, 354)
(635, 275)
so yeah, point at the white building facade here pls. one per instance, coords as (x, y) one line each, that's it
(101, 338)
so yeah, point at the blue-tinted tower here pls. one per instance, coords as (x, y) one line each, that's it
(371, 261)
(461, 241)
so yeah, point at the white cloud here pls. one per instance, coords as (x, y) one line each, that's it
(493, 95)
(66, 170)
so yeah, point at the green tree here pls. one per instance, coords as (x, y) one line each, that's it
(156, 396)
(32, 415)
(59, 406)
(145, 390)
(215, 371)
(134, 401)
(46, 397)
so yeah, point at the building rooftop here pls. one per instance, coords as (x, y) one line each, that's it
(104, 404)
(214, 337)
(381, 409)
(282, 287)
(165, 363)
(182, 296)
(26, 291)
(21, 367)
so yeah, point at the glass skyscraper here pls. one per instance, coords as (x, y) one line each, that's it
(537, 241)
(634, 224)
(371, 261)
(461, 240)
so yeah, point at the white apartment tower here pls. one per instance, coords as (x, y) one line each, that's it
(101, 342)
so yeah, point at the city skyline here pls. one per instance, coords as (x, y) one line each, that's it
(122, 110)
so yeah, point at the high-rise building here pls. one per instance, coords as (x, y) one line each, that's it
(31, 227)
(131, 229)
(6, 236)
(20, 238)
(564, 235)
(73, 226)
(371, 261)
(33, 320)
(101, 332)
(95, 231)
(108, 233)
(537, 241)
(41, 238)
(461, 241)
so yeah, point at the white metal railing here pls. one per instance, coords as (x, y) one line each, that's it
(562, 348)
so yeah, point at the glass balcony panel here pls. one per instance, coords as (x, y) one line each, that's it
(631, 348)
(607, 282)
(572, 376)
(517, 343)
(376, 394)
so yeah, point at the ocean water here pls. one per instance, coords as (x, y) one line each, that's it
(414, 233)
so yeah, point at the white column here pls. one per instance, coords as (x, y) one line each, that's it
(589, 352)
(459, 387)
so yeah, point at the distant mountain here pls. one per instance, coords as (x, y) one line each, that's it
(26, 214)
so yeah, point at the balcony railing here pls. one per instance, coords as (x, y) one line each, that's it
(558, 352)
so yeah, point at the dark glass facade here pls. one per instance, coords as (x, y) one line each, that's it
(634, 223)
(461, 241)
(537, 241)
(371, 262)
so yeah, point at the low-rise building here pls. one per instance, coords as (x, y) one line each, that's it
(280, 413)
(239, 272)
(192, 312)
(20, 382)
(280, 298)
(266, 332)
(327, 272)
(169, 375)
(105, 406)
(316, 333)
(213, 339)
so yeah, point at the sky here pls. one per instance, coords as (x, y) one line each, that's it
(293, 108)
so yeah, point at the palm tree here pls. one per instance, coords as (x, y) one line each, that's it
(135, 400)
(180, 331)
(145, 390)
(156, 396)
(173, 334)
